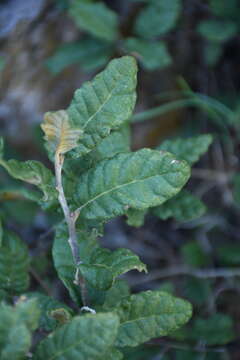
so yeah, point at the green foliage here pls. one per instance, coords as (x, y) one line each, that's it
(32, 172)
(183, 207)
(88, 337)
(97, 177)
(14, 264)
(95, 18)
(157, 175)
(16, 324)
(90, 53)
(189, 149)
(152, 55)
(47, 306)
(194, 255)
(104, 266)
(216, 330)
(105, 103)
(229, 254)
(158, 17)
(149, 315)
(217, 31)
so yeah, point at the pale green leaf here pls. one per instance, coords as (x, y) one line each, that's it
(31, 171)
(152, 55)
(183, 207)
(89, 53)
(157, 17)
(46, 305)
(189, 149)
(105, 265)
(105, 103)
(19, 193)
(136, 217)
(86, 337)
(95, 18)
(137, 180)
(217, 30)
(149, 315)
(14, 264)
(113, 354)
(28, 312)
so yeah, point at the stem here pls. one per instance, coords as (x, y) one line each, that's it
(70, 218)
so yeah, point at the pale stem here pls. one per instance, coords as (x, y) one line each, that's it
(70, 218)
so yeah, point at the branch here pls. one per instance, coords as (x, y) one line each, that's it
(184, 270)
(70, 218)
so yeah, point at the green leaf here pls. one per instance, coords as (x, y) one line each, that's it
(2, 63)
(224, 8)
(95, 18)
(189, 149)
(90, 54)
(157, 18)
(104, 266)
(136, 180)
(1, 233)
(183, 207)
(63, 260)
(14, 264)
(15, 325)
(113, 354)
(118, 291)
(236, 188)
(193, 255)
(136, 217)
(216, 30)
(148, 315)
(215, 330)
(212, 53)
(198, 291)
(19, 193)
(105, 103)
(31, 171)
(229, 254)
(86, 337)
(118, 141)
(152, 55)
(46, 305)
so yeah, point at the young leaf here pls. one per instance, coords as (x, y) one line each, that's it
(105, 265)
(137, 180)
(59, 134)
(95, 18)
(32, 172)
(183, 207)
(189, 149)
(157, 17)
(14, 264)
(152, 55)
(105, 103)
(85, 337)
(90, 54)
(149, 315)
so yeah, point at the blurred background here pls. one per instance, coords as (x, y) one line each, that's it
(188, 54)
